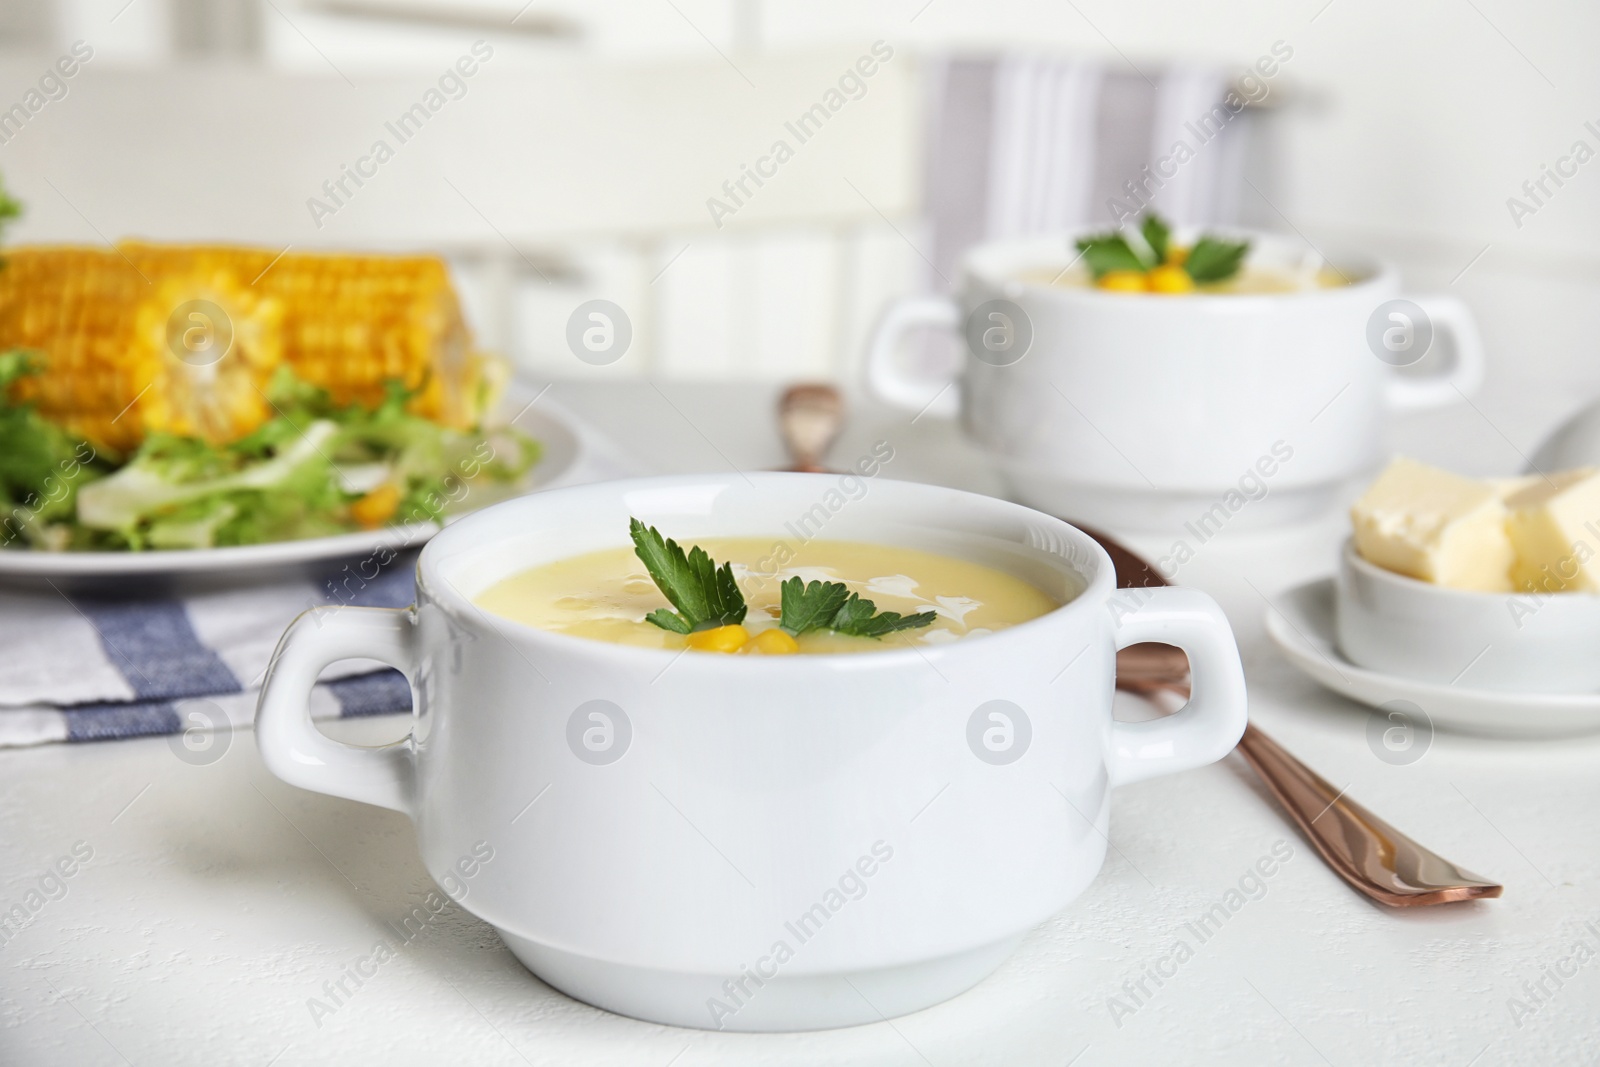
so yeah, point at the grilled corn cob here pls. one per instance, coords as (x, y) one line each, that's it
(145, 337)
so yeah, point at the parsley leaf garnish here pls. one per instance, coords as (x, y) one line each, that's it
(831, 606)
(810, 607)
(860, 618)
(1211, 260)
(1107, 252)
(705, 595)
(1157, 234)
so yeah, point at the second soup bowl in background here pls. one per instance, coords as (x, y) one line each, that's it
(758, 843)
(1146, 411)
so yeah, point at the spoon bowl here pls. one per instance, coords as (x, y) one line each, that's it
(810, 416)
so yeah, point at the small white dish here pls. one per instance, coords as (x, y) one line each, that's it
(1512, 642)
(1300, 622)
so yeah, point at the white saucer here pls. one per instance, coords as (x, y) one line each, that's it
(1300, 622)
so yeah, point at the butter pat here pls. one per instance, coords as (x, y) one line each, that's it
(1554, 525)
(1506, 488)
(1436, 526)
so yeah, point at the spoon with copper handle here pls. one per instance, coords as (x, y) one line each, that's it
(1374, 857)
(810, 416)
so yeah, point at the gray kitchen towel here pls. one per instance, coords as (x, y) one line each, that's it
(1024, 144)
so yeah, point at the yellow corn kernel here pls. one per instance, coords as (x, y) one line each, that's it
(1123, 281)
(1171, 280)
(722, 639)
(1177, 255)
(377, 507)
(774, 642)
(125, 334)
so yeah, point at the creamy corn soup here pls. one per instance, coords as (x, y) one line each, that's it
(606, 595)
(1248, 280)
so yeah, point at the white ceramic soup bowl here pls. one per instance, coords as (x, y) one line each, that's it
(1152, 412)
(1510, 642)
(759, 843)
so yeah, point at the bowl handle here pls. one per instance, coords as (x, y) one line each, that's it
(293, 748)
(1211, 723)
(887, 379)
(1452, 319)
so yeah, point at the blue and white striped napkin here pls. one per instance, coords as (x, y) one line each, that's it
(83, 668)
(79, 668)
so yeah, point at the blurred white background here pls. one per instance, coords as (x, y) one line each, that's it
(579, 161)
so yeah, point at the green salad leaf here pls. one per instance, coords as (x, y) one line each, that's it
(179, 492)
(314, 469)
(10, 209)
(42, 467)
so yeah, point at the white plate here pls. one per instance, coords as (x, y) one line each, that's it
(1300, 622)
(560, 449)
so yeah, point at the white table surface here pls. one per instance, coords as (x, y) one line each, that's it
(219, 900)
